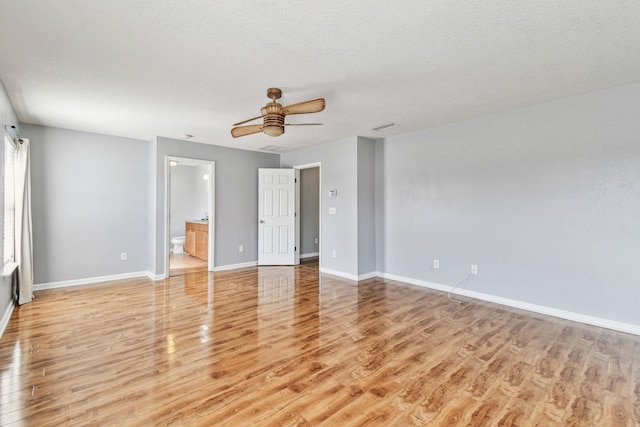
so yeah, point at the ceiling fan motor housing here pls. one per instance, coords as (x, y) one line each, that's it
(273, 119)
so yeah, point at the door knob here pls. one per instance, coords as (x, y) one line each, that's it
(261, 221)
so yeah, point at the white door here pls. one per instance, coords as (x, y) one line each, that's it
(276, 217)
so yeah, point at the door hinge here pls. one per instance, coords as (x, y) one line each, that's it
(295, 249)
(295, 180)
(295, 214)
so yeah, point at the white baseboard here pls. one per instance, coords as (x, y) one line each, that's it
(309, 255)
(155, 277)
(339, 274)
(541, 309)
(369, 275)
(6, 317)
(235, 266)
(89, 280)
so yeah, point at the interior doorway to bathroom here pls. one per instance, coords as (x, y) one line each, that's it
(189, 234)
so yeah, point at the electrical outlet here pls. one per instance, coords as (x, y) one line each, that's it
(474, 269)
(123, 256)
(241, 248)
(316, 240)
(333, 253)
(436, 263)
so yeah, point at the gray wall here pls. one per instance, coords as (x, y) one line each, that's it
(309, 210)
(236, 204)
(545, 199)
(202, 192)
(189, 196)
(9, 118)
(338, 171)
(366, 206)
(89, 204)
(379, 204)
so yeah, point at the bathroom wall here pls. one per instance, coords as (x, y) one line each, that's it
(201, 191)
(189, 195)
(182, 197)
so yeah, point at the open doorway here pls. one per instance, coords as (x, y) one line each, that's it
(190, 201)
(309, 209)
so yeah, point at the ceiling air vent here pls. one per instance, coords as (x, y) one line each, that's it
(385, 127)
(273, 148)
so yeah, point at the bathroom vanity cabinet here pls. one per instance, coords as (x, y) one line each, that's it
(197, 239)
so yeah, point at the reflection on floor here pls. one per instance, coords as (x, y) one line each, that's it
(310, 262)
(184, 263)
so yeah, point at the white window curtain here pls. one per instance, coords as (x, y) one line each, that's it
(23, 230)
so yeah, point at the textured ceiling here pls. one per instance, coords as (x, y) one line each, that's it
(141, 68)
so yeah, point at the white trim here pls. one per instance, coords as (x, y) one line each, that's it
(6, 317)
(339, 274)
(369, 275)
(236, 266)
(309, 255)
(155, 277)
(541, 309)
(308, 166)
(8, 269)
(89, 280)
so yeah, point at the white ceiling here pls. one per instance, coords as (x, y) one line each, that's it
(141, 68)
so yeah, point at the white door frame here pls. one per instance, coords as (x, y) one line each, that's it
(167, 207)
(310, 166)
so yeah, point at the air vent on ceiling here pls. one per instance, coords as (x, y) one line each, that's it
(385, 127)
(273, 148)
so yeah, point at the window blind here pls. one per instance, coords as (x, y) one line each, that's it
(9, 199)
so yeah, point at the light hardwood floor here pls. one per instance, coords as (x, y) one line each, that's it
(184, 263)
(280, 346)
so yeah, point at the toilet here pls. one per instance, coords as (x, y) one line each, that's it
(178, 244)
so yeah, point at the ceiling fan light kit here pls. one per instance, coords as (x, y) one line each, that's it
(273, 115)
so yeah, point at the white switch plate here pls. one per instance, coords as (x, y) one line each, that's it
(436, 263)
(333, 253)
(241, 248)
(123, 256)
(332, 211)
(474, 269)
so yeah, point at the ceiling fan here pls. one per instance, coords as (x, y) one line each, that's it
(273, 115)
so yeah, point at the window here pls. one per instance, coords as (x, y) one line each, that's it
(9, 200)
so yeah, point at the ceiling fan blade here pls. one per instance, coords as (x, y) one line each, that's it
(303, 124)
(313, 106)
(247, 121)
(246, 130)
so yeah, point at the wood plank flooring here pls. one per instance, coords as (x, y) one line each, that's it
(184, 263)
(285, 346)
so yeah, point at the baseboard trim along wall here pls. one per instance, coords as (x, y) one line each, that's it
(309, 255)
(6, 317)
(370, 275)
(541, 309)
(235, 266)
(549, 311)
(89, 280)
(155, 277)
(339, 274)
